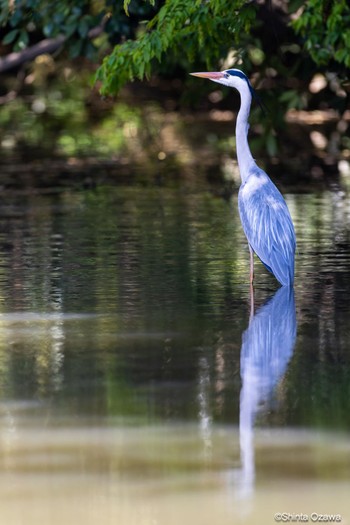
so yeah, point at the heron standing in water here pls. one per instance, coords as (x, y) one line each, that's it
(264, 214)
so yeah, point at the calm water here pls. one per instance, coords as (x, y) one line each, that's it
(134, 388)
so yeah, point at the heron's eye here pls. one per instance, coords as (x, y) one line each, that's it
(226, 75)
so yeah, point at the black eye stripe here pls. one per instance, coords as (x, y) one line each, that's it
(240, 74)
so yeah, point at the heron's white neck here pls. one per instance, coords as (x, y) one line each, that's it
(244, 156)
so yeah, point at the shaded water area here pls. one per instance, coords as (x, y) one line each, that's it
(135, 388)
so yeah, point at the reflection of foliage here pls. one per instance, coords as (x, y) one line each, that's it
(111, 297)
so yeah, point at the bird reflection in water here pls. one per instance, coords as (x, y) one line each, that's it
(267, 346)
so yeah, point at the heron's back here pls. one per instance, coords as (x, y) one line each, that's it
(267, 225)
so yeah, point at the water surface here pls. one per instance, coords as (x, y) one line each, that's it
(135, 385)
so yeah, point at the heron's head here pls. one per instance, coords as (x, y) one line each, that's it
(229, 77)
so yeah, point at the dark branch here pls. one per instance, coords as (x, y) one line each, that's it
(46, 46)
(49, 45)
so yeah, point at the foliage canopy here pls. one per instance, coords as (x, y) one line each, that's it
(182, 32)
(144, 36)
(325, 27)
(283, 43)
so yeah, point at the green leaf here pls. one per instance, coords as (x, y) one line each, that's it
(71, 28)
(76, 48)
(10, 37)
(83, 27)
(271, 145)
(48, 29)
(126, 6)
(22, 41)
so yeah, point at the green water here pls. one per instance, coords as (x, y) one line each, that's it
(134, 389)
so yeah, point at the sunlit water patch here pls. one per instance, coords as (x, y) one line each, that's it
(166, 474)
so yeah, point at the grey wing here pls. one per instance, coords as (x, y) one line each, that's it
(269, 229)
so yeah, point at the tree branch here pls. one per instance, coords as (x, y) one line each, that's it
(46, 46)
(49, 45)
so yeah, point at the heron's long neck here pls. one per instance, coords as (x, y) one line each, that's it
(244, 156)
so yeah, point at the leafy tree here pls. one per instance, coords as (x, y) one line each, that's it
(146, 34)
(181, 30)
(31, 27)
(205, 32)
(325, 26)
(283, 44)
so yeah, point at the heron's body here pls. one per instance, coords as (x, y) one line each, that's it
(260, 204)
(264, 214)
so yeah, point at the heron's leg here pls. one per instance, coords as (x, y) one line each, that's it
(251, 315)
(251, 264)
(251, 282)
